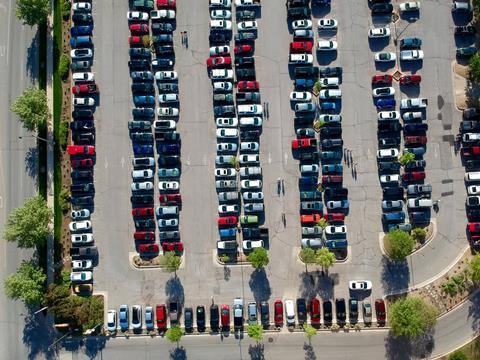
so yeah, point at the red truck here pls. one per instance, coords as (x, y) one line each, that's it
(303, 143)
(84, 89)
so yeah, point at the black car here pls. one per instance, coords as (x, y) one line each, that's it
(245, 37)
(249, 135)
(164, 50)
(144, 223)
(472, 164)
(82, 125)
(82, 201)
(416, 164)
(473, 214)
(224, 110)
(188, 319)
(83, 138)
(162, 38)
(472, 202)
(331, 143)
(214, 317)
(167, 160)
(469, 126)
(303, 120)
(162, 27)
(167, 88)
(308, 156)
(301, 311)
(247, 73)
(331, 131)
(218, 37)
(299, 12)
(415, 128)
(353, 311)
(327, 312)
(245, 15)
(143, 88)
(471, 114)
(140, 53)
(382, 8)
(331, 71)
(81, 174)
(82, 17)
(389, 142)
(306, 71)
(82, 114)
(389, 126)
(341, 310)
(142, 137)
(139, 64)
(335, 193)
(395, 192)
(244, 61)
(248, 97)
(141, 199)
(167, 136)
(264, 314)
(84, 187)
(393, 166)
(300, 3)
(143, 113)
(201, 318)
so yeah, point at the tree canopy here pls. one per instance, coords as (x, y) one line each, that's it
(28, 225)
(255, 332)
(399, 244)
(310, 331)
(406, 158)
(412, 317)
(259, 258)
(325, 258)
(174, 334)
(307, 255)
(32, 12)
(27, 284)
(475, 268)
(474, 64)
(171, 262)
(32, 109)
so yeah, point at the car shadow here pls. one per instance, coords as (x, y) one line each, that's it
(377, 45)
(412, 66)
(410, 16)
(384, 66)
(410, 91)
(326, 57)
(319, 11)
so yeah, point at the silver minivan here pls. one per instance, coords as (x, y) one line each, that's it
(167, 210)
(253, 207)
(252, 313)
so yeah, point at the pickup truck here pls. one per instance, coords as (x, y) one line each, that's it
(255, 233)
(413, 103)
(303, 143)
(174, 310)
(87, 251)
(84, 89)
(238, 314)
(248, 97)
(246, 3)
(410, 55)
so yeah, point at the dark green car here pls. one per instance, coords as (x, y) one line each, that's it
(143, 4)
(466, 51)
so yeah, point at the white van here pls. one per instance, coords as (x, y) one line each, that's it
(301, 59)
(290, 312)
(419, 203)
(472, 176)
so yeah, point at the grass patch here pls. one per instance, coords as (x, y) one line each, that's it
(472, 350)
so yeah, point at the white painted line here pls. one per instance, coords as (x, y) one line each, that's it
(286, 158)
(2, 50)
(106, 163)
(122, 162)
(269, 158)
(1, 202)
(8, 28)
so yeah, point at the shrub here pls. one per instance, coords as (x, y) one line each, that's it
(419, 235)
(398, 244)
(66, 5)
(64, 200)
(62, 134)
(406, 158)
(63, 66)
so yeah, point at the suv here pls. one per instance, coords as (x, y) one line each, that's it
(341, 310)
(238, 314)
(252, 313)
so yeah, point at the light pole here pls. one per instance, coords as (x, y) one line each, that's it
(39, 138)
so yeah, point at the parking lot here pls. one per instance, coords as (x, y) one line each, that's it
(201, 279)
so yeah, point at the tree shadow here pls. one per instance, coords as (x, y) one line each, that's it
(256, 352)
(31, 66)
(395, 275)
(325, 286)
(260, 286)
(309, 352)
(179, 353)
(39, 335)
(226, 273)
(402, 348)
(31, 163)
(307, 286)
(174, 290)
(474, 312)
(94, 344)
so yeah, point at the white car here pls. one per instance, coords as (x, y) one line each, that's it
(302, 24)
(112, 320)
(378, 32)
(330, 94)
(142, 174)
(240, 3)
(305, 107)
(80, 214)
(412, 116)
(251, 196)
(306, 34)
(250, 171)
(219, 50)
(230, 172)
(301, 59)
(411, 55)
(329, 82)
(227, 122)
(227, 133)
(413, 103)
(335, 230)
(249, 159)
(300, 96)
(251, 184)
(250, 109)
(383, 91)
(162, 223)
(225, 209)
(387, 153)
(220, 3)
(409, 6)
(83, 77)
(385, 179)
(252, 244)
(166, 75)
(330, 118)
(251, 121)
(311, 243)
(224, 159)
(226, 147)
(327, 24)
(137, 16)
(165, 98)
(220, 14)
(388, 116)
(360, 285)
(82, 239)
(81, 265)
(326, 45)
(82, 53)
(167, 111)
(309, 168)
(168, 185)
(471, 137)
(221, 74)
(473, 190)
(385, 56)
(247, 25)
(249, 146)
(220, 24)
(82, 6)
(162, 14)
(86, 101)
(142, 186)
(81, 276)
(221, 86)
(80, 225)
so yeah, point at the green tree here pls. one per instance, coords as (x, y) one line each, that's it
(307, 255)
(171, 262)
(66, 6)
(457, 355)
(474, 64)
(406, 158)
(412, 317)
(310, 332)
(322, 223)
(64, 66)
(325, 258)
(32, 12)
(419, 235)
(398, 244)
(174, 334)
(255, 332)
(27, 284)
(28, 225)
(64, 199)
(32, 109)
(475, 268)
(258, 257)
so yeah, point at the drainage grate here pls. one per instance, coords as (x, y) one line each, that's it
(397, 75)
(395, 17)
(270, 339)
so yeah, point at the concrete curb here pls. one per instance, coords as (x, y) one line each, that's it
(131, 255)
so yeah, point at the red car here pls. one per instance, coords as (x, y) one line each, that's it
(332, 217)
(225, 316)
(278, 311)
(382, 79)
(332, 179)
(471, 151)
(220, 61)
(473, 227)
(144, 235)
(301, 46)
(80, 149)
(410, 79)
(413, 176)
(411, 140)
(161, 315)
(176, 247)
(82, 163)
(84, 89)
(148, 248)
(315, 315)
(308, 219)
(248, 86)
(170, 199)
(168, 4)
(139, 28)
(135, 41)
(241, 49)
(142, 212)
(380, 311)
(303, 143)
(227, 221)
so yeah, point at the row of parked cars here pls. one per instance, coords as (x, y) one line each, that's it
(328, 123)
(463, 13)
(243, 121)
(82, 151)
(148, 38)
(287, 312)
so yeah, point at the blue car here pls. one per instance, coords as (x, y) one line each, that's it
(403, 227)
(230, 232)
(81, 30)
(169, 148)
(328, 106)
(416, 164)
(144, 100)
(419, 217)
(308, 181)
(123, 317)
(143, 113)
(331, 155)
(336, 244)
(418, 151)
(80, 41)
(413, 128)
(310, 195)
(394, 217)
(332, 169)
(385, 104)
(304, 83)
(142, 149)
